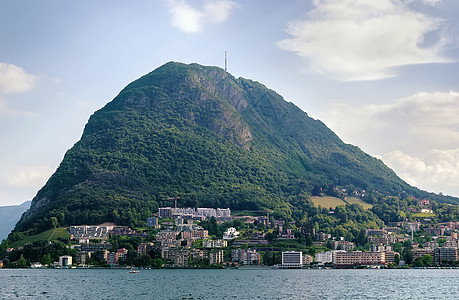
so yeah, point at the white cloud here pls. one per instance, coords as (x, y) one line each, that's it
(186, 18)
(191, 20)
(438, 171)
(364, 40)
(218, 11)
(14, 79)
(25, 177)
(424, 118)
(403, 134)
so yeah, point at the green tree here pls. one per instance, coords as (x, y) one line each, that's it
(22, 262)
(46, 259)
(54, 222)
(427, 260)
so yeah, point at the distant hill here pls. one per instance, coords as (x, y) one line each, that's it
(214, 140)
(9, 216)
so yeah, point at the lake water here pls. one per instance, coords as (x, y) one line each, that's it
(229, 284)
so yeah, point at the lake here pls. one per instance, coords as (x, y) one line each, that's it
(229, 284)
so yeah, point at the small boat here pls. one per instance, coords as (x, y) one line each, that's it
(134, 271)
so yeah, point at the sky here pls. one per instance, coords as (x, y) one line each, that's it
(383, 75)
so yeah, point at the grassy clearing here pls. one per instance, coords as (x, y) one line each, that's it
(354, 200)
(328, 202)
(49, 235)
(423, 215)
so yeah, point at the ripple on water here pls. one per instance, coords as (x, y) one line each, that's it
(229, 284)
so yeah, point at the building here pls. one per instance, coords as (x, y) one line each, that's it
(308, 259)
(82, 257)
(112, 258)
(411, 226)
(153, 222)
(391, 257)
(214, 243)
(230, 234)
(444, 255)
(435, 231)
(342, 245)
(385, 239)
(358, 258)
(182, 257)
(90, 232)
(101, 255)
(420, 252)
(322, 236)
(394, 230)
(424, 202)
(292, 259)
(93, 247)
(165, 212)
(326, 257)
(223, 214)
(216, 257)
(166, 235)
(65, 261)
(285, 234)
(126, 231)
(122, 254)
(200, 213)
(431, 245)
(380, 248)
(194, 235)
(375, 232)
(451, 243)
(144, 248)
(246, 256)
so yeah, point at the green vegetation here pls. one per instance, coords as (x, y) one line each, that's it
(38, 251)
(215, 141)
(354, 200)
(423, 215)
(49, 235)
(327, 202)
(395, 209)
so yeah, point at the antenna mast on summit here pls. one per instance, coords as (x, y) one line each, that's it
(225, 63)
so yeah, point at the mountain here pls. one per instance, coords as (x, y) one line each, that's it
(214, 140)
(9, 216)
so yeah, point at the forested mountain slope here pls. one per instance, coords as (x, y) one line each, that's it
(212, 139)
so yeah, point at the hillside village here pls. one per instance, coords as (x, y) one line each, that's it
(214, 238)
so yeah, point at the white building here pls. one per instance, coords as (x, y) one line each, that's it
(214, 244)
(230, 234)
(65, 261)
(223, 213)
(292, 259)
(327, 257)
(200, 213)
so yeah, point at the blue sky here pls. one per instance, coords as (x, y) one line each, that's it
(382, 74)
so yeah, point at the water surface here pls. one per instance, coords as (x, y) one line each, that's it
(229, 284)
